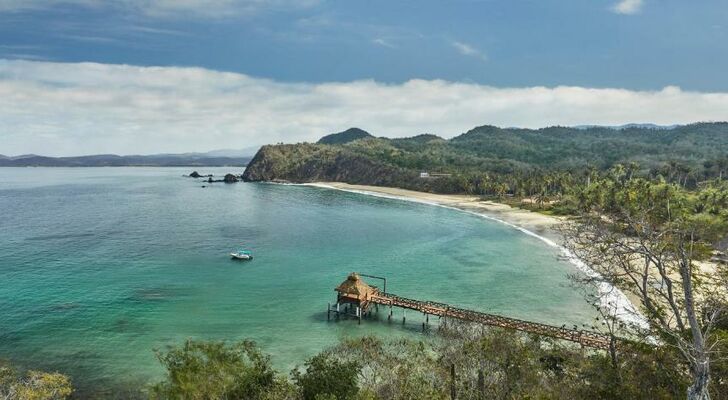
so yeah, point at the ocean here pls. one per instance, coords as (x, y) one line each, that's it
(101, 266)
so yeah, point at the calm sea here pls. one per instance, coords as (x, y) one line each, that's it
(99, 266)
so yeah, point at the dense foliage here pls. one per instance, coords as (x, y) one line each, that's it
(471, 362)
(327, 376)
(648, 238)
(215, 370)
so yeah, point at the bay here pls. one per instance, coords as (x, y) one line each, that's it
(100, 266)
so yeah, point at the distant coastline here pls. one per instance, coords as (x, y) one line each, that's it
(112, 160)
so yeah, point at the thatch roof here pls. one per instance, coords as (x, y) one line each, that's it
(355, 286)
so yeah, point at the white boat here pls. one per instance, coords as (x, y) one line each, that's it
(242, 255)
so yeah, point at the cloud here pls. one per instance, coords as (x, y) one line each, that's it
(85, 108)
(628, 7)
(27, 5)
(165, 8)
(468, 50)
(383, 43)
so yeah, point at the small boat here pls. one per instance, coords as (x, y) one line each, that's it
(242, 255)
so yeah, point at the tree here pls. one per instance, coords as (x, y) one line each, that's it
(646, 238)
(327, 378)
(216, 370)
(396, 369)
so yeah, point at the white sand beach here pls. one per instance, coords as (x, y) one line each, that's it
(539, 224)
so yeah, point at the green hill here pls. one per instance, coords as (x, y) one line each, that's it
(684, 153)
(346, 136)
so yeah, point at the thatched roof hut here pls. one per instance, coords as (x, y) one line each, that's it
(355, 288)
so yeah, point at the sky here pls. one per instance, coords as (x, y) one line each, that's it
(150, 76)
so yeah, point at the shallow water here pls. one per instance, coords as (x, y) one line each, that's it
(99, 266)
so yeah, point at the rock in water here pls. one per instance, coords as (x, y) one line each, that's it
(230, 178)
(194, 174)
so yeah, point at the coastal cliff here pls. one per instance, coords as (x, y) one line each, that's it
(301, 163)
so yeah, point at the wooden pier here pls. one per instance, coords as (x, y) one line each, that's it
(356, 293)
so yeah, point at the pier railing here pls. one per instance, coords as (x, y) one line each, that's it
(583, 337)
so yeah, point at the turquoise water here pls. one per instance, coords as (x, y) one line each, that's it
(99, 266)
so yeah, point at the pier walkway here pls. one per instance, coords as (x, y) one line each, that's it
(356, 292)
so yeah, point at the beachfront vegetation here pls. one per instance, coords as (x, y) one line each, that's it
(33, 385)
(467, 361)
(648, 239)
(216, 370)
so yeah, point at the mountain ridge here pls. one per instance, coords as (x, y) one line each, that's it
(489, 149)
(114, 160)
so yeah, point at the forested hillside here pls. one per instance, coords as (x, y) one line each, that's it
(684, 154)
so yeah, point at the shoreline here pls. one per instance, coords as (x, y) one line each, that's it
(531, 223)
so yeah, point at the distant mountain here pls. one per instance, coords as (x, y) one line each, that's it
(113, 160)
(346, 136)
(248, 152)
(23, 156)
(628, 126)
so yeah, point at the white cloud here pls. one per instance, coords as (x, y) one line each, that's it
(468, 50)
(84, 108)
(165, 8)
(628, 7)
(383, 43)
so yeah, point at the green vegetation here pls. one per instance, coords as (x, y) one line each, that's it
(648, 238)
(346, 136)
(33, 385)
(327, 377)
(215, 370)
(487, 364)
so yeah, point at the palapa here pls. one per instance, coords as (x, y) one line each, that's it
(355, 287)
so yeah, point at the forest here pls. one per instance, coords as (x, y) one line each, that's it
(489, 160)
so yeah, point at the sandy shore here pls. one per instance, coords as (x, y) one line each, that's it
(541, 225)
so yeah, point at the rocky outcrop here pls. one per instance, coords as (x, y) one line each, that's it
(194, 174)
(302, 163)
(230, 178)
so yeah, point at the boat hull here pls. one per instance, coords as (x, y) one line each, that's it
(240, 256)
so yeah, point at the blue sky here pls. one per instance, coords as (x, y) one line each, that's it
(639, 46)
(514, 43)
